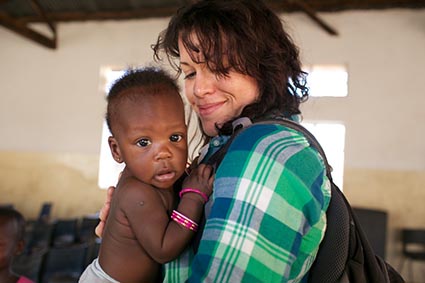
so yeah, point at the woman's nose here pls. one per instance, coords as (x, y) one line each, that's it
(204, 84)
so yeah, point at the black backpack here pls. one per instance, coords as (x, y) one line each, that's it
(345, 254)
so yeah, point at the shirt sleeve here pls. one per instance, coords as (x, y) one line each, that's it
(267, 216)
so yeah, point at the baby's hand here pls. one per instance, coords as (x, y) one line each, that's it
(201, 178)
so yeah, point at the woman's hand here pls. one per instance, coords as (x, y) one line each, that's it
(104, 212)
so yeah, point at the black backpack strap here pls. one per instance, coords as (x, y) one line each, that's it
(218, 156)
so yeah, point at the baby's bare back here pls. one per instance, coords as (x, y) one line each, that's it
(121, 255)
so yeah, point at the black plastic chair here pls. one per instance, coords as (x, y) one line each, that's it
(64, 232)
(413, 241)
(64, 264)
(45, 212)
(93, 252)
(29, 265)
(7, 205)
(374, 223)
(39, 238)
(86, 229)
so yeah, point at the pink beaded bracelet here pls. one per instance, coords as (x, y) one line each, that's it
(190, 190)
(184, 221)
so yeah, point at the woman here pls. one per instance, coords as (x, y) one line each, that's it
(266, 218)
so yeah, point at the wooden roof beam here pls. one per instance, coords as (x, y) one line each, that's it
(303, 6)
(25, 31)
(140, 13)
(37, 7)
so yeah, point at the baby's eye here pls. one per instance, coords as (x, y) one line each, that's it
(143, 142)
(176, 138)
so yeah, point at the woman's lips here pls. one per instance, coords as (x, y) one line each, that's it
(207, 109)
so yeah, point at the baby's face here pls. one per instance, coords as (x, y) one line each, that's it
(152, 139)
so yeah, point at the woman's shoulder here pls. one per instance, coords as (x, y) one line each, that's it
(259, 135)
(284, 146)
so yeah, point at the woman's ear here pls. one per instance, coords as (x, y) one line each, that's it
(115, 149)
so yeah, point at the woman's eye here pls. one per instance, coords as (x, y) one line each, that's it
(176, 138)
(189, 75)
(144, 142)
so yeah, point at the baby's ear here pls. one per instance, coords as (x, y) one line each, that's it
(115, 149)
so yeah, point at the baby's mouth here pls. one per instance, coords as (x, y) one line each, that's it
(165, 175)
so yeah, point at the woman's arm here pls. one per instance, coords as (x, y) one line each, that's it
(104, 212)
(268, 215)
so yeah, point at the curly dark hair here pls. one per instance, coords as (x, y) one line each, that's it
(253, 41)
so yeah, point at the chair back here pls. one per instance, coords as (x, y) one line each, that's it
(61, 262)
(64, 232)
(416, 236)
(39, 238)
(86, 229)
(45, 212)
(374, 224)
(29, 265)
(413, 243)
(7, 205)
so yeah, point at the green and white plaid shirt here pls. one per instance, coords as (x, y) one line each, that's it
(267, 215)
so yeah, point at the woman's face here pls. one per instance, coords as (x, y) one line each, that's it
(215, 99)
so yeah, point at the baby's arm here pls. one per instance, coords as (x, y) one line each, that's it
(162, 238)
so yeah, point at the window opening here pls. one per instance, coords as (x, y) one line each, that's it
(331, 137)
(109, 169)
(327, 80)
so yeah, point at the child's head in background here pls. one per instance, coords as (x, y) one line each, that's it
(12, 230)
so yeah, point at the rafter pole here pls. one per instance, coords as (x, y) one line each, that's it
(189, 2)
(27, 32)
(312, 14)
(37, 7)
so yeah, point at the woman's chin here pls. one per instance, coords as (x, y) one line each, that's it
(209, 129)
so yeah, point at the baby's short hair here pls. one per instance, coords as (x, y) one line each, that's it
(155, 80)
